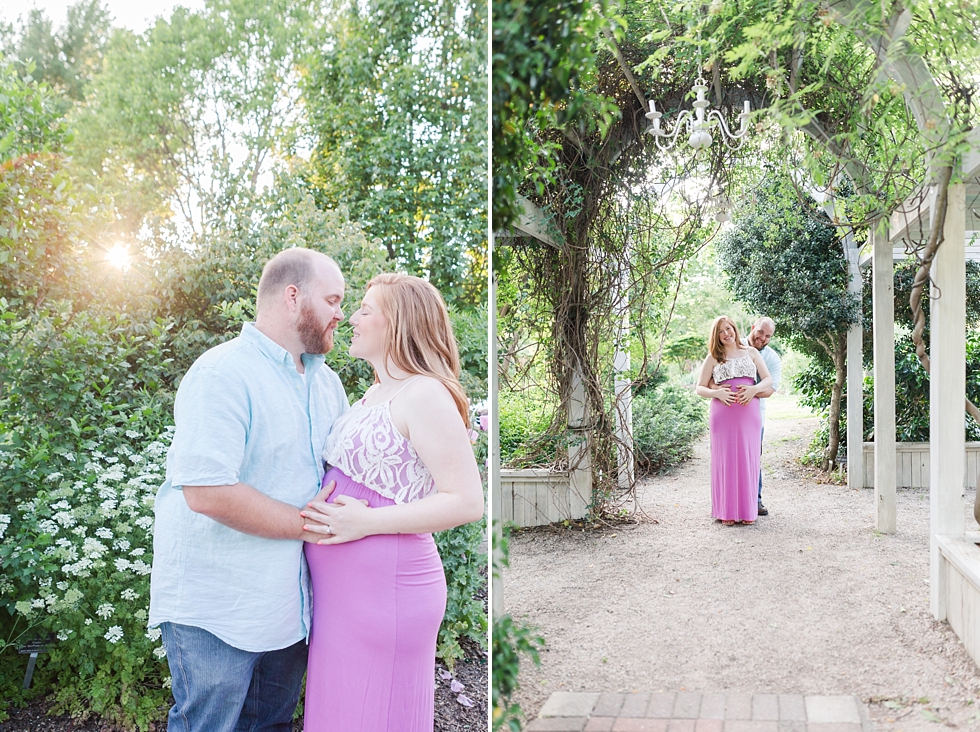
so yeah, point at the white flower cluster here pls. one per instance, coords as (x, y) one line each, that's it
(98, 516)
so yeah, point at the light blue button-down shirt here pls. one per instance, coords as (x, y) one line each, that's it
(775, 366)
(242, 413)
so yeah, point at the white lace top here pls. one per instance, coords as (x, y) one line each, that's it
(733, 368)
(368, 448)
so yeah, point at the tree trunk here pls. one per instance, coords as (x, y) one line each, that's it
(839, 357)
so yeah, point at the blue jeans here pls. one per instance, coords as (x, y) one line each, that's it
(219, 688)
(760, 462)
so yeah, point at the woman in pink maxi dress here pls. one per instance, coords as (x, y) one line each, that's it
(379, 590)
(728, 378)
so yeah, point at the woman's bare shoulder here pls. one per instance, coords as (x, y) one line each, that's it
(429, 391)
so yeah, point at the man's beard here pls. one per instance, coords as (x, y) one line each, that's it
(312, 333)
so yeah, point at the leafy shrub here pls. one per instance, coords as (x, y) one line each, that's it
(911, 395)
(466, 581)
(67, 381)
(666, 424)
(76, 560)
(524, 421)
(470, 329)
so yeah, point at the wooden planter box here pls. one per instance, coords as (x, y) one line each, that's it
(539, 497)
(960, 572)
(912, 464)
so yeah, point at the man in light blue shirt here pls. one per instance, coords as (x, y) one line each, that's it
(230, 587)
(759, 337)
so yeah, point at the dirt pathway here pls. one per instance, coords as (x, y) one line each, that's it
(810, 600)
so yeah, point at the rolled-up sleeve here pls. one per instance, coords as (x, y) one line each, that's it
(211, 413)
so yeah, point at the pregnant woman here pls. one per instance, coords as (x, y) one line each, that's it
(728, 379)
(379, 591)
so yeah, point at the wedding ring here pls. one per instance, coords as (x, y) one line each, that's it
(329, 530)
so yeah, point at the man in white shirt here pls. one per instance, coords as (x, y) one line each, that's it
(759, 337)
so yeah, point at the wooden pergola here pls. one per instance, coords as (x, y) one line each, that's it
(954, 555)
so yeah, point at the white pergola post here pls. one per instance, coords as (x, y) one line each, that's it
(624, 390)
(496, 497)
(947, 385)
(884, 371)
(579, 447)
(855, 374)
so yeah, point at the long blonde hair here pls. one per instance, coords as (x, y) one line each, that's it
(715, 347)
(420, 337)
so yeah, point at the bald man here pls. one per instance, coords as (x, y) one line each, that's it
(230, 588)
(759, 337)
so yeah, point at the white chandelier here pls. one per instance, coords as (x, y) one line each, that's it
(698, 123)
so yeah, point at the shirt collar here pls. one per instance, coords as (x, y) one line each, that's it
(277, 353)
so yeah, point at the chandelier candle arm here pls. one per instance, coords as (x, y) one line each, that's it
(698, 123)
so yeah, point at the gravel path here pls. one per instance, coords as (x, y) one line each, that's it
(810, 600)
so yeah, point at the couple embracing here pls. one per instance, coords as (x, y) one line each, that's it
(259, 579)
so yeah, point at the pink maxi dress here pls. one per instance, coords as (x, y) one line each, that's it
(377, 602)
(736, 444)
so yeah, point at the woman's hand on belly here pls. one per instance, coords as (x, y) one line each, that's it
(746, 393)
(725, 395)
(334, 522)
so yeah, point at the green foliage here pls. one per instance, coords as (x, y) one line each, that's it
(784, 258)
(666, 424)
(30, 123)
(66, 58)
(470, 329)
(397, 103)
(525, 418)
(911, 380)
(40, 215)
(701, 297)
(84, 408)
(466, 588)
(686, 349)
(77, 375)
(511, 641)
(200, 107)
(543, 51)
(903, 278)
(911, 392)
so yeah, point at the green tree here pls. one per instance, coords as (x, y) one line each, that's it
(45, 225)
(544, 52)
(397, 106)
(784, 258)
(66, 58)
(202, 105)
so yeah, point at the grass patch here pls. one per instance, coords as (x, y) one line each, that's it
(787, 406)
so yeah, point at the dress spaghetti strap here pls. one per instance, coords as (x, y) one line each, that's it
(407, 382)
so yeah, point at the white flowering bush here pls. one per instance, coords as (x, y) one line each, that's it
(76, 564)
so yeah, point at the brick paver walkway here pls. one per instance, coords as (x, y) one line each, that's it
(691, 712)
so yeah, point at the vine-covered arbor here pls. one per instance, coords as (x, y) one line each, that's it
(865, 92)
